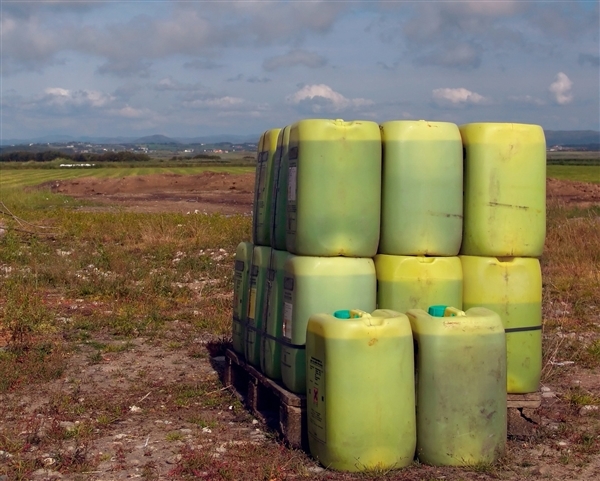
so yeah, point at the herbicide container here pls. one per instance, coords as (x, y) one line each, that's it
(334, 188)
(270, 353)
(511, 287)
(279, 195)
(256, 302)
(461, 385)
(319, 284)
(360, 397)
(505, 189)
(263, 190)
(422, 188)
(417, 282)
(243, 261)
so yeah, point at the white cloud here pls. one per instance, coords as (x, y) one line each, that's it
(458, 97)
(80, 98)
(215, 102)
(322, 98)
(293, 58)
(561, 89)
(526, 100)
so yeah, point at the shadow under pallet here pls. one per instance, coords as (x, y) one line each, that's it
(285, 412)
(281, 410)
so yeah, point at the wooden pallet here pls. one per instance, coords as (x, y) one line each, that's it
(268, 400)
(522, 417)
(285, 412)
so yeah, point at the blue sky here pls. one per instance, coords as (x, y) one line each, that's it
(193, 68)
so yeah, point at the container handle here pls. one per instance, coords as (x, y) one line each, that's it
(453, 311)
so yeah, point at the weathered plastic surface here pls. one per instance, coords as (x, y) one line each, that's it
(511, 287)
(360, 394)
(422, 188)
(417, 282)
(270, 352)
(256, 302)
(505, 190)
(280, 188)
(334, 188)
(243, 261)
(263, 190)
(461, 387)
(313, 285)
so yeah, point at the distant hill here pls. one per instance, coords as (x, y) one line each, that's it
(155, 139)
(586, 139)
(572, 137)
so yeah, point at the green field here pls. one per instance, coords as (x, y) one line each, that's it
(27, 177)
(580, 173)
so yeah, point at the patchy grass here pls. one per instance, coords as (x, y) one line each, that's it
(580, 173)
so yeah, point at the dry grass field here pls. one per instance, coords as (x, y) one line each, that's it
(115, 304)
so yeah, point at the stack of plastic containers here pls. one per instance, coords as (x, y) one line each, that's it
(399, 217)
(333, 218)
(504, 231)
(421, 224)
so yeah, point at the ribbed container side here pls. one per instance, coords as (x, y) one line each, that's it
(256, 301)
(280, 189)
(263, 202)
(243, 261)
(270, 353)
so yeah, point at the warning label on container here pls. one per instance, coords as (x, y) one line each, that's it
(251, 304)
(288, 308)
(315, 383)
(292, 183)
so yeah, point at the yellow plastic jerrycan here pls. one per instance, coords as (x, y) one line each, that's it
(319, 284)
(505, 189)
(511, 287)
(279, 195)
(360, 397)
(417, 282)
(263, 188)
(257, 281)
(422, 188)
(270, 351)
(243, 261)
(334, 188)
(461, 385)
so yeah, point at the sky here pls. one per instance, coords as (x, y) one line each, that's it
(195, 68)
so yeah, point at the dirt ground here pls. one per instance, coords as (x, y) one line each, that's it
(147, 438)
(211, 192)
(208, 192)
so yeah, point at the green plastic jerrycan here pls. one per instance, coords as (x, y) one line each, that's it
(505, 190)
(270, 353)
(243, 261)
(417, 282)
(279, 195)
(334, 188)
(422, 188)
(461, 385)
(360, 397)
(511, 287)
(256, 300)
(263, 190)
(319, 284)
